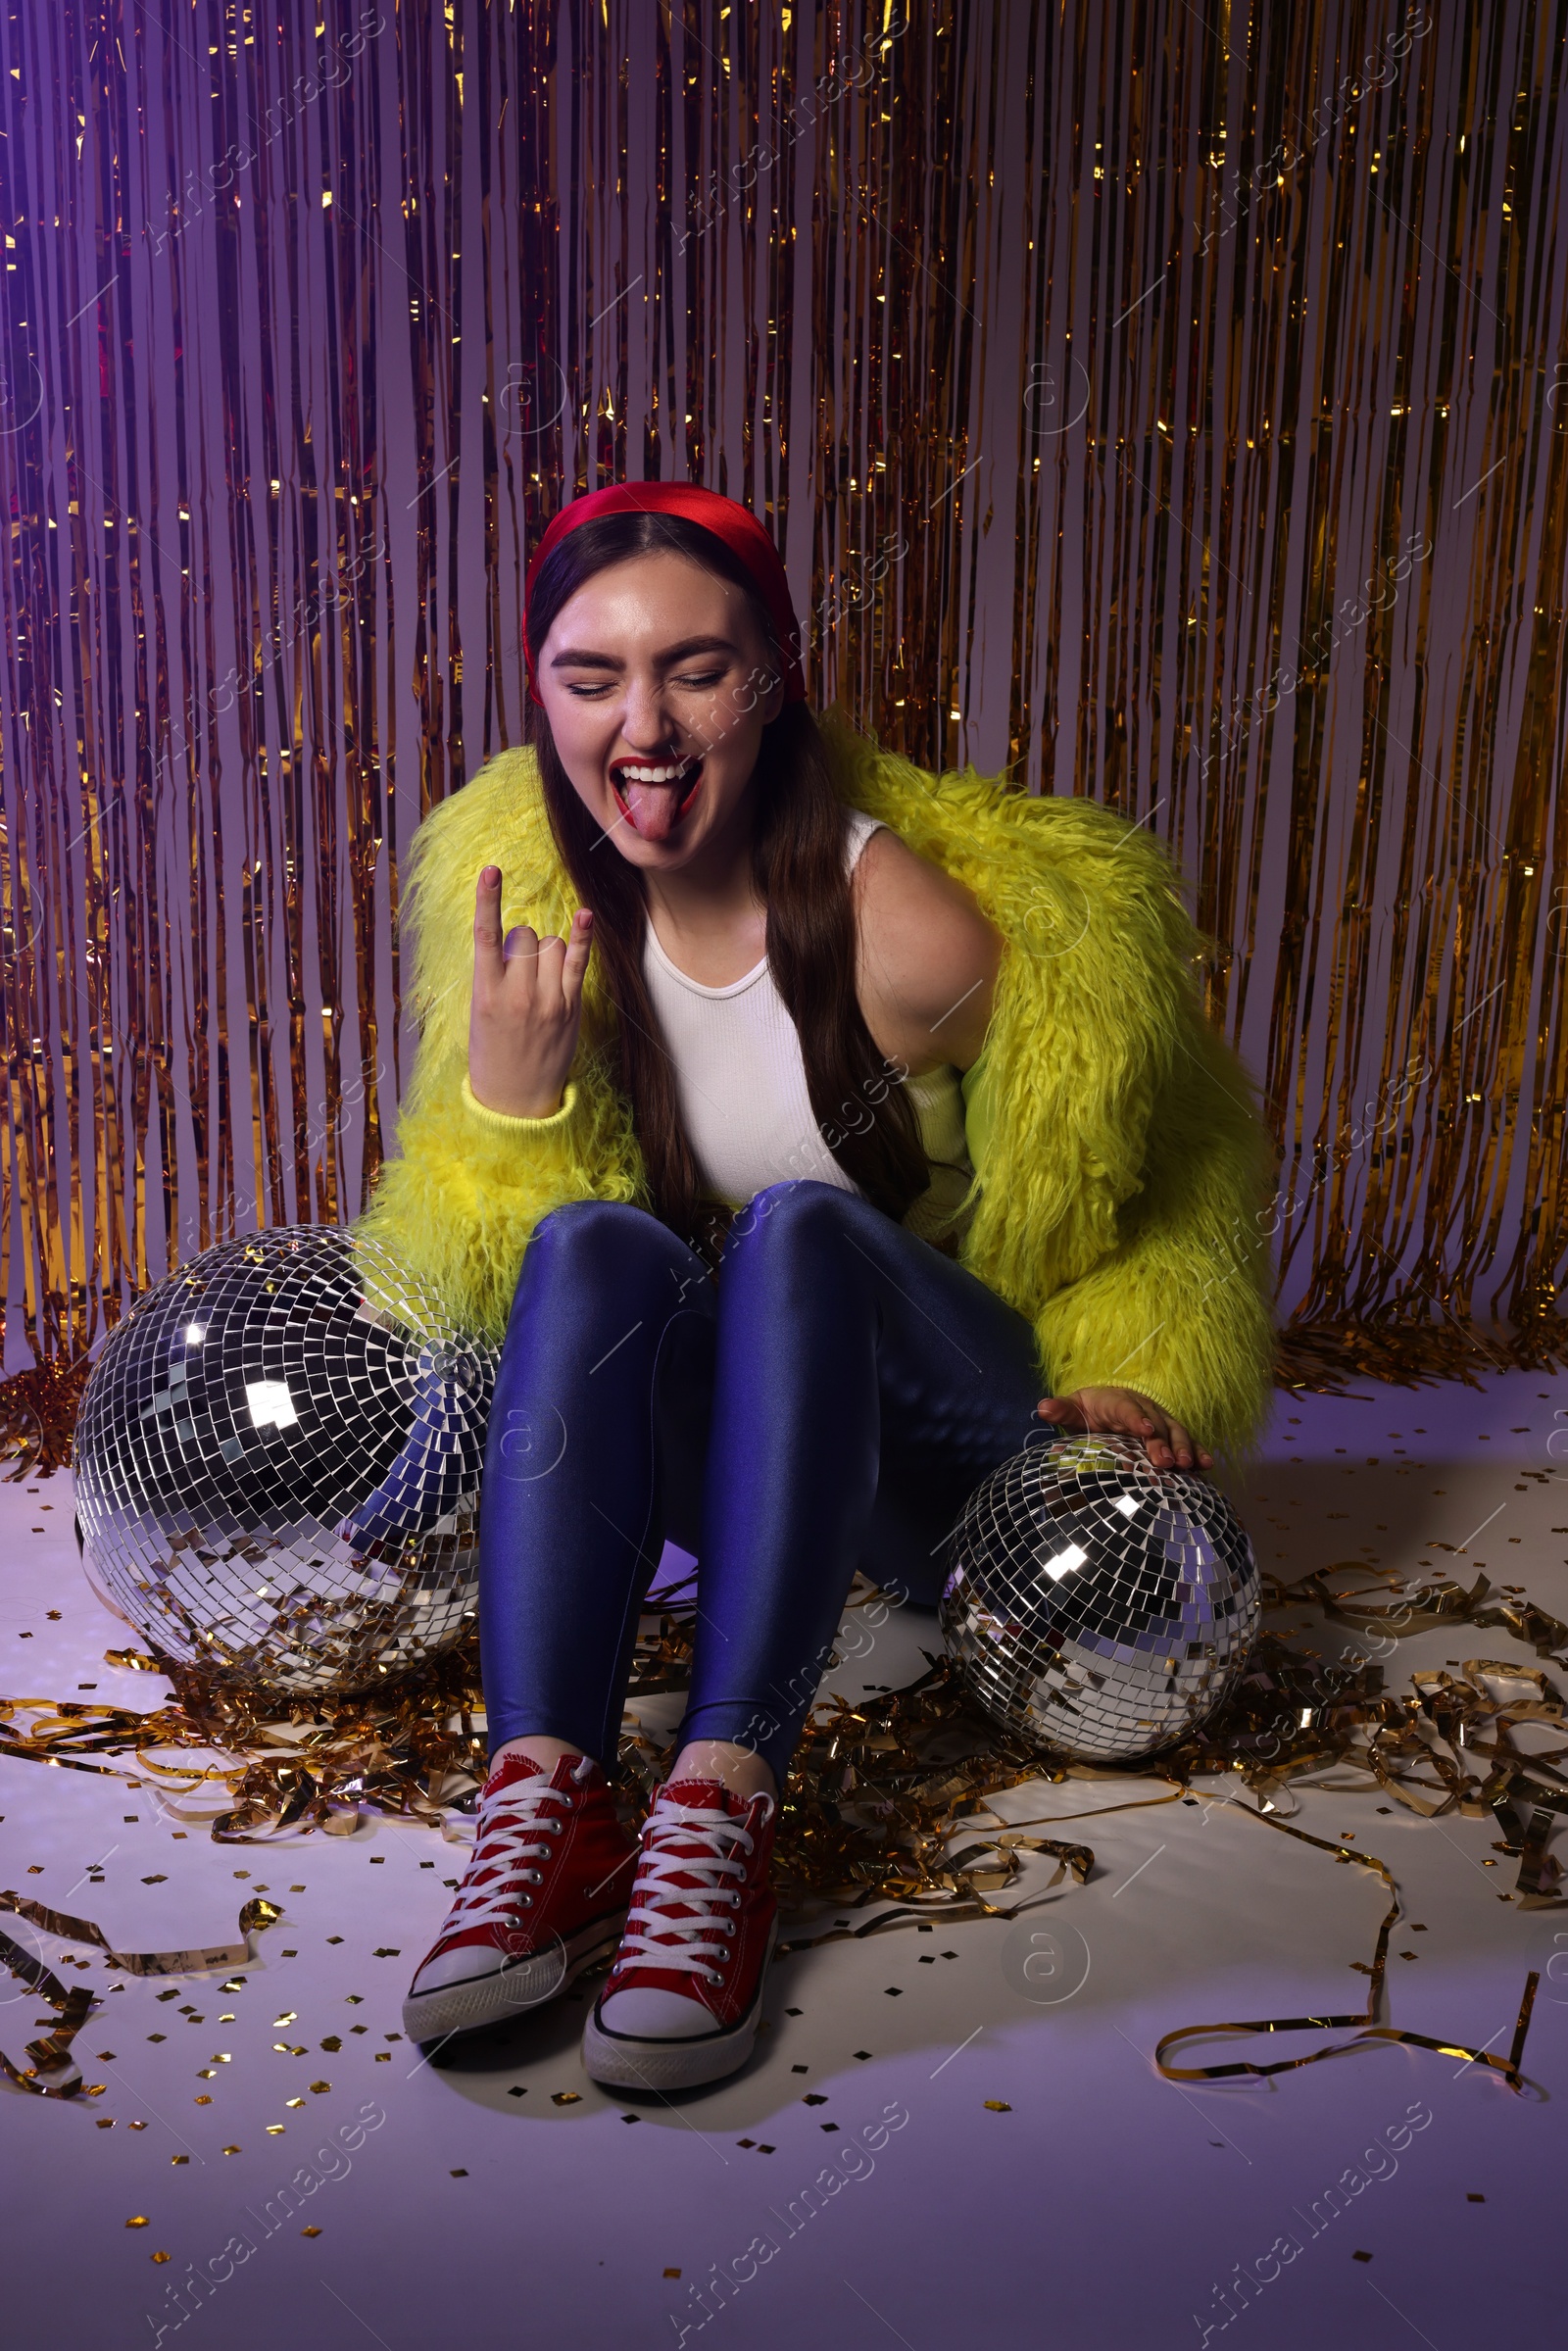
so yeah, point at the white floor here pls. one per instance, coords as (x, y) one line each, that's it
(966, 2162)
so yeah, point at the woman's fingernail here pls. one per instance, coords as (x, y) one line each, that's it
(491, 876)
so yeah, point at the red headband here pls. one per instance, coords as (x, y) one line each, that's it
(725, 518)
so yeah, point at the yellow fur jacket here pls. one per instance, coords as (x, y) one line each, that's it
(1120, 1161)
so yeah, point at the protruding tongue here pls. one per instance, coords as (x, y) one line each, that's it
(654, 810)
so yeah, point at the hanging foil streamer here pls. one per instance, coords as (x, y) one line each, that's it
(1167, 408)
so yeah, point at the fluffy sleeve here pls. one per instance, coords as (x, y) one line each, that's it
(1178, 1307)
(460, 1200)
(1122, 1161)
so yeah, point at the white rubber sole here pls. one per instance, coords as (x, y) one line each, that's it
(620, 2061)
(513, 1991)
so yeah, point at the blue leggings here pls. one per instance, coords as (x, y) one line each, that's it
(828, 1404)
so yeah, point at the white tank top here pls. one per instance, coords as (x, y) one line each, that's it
(740, 1081)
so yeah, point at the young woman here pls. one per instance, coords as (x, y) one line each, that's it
(802, 1119)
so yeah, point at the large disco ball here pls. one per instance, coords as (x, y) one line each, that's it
(278, 1465)
(1095, 1604)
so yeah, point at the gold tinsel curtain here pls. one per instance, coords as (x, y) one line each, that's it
(1155, 403)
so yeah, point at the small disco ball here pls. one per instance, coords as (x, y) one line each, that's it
(277, 1463)
(1095, 1604)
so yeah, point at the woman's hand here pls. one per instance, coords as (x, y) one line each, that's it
(526, 1010)
(1165, 1440)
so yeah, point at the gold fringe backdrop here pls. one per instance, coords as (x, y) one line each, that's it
(1161, 403)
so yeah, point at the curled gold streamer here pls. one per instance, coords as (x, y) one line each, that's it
(1370, 2030)
(39, 1416)
(51, 2056)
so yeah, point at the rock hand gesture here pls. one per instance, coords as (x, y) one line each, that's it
(526, 1008)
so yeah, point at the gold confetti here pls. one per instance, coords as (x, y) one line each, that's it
(877, 1790)
(309, 2232)
(231, 2150)
(293, 2101)
(138, 2221)
(566, 2097)
(998, 2106)
(320, 2086)
(159, 2257)
(276, 2130)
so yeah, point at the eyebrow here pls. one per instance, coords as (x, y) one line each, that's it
(578, 657)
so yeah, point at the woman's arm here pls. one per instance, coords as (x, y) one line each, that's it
(459, 1202)
(927, 959)
(929, 963)
(470, 1183)
(1121, 1162)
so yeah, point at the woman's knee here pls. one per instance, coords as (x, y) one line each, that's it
(594, 1223)
(585, 1242)
(796, 1212)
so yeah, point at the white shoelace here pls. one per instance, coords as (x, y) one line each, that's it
(515, 1833)
(690, 1951)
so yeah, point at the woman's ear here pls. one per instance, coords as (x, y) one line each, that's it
(772, 690)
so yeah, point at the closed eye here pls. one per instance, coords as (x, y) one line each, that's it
(713, 677)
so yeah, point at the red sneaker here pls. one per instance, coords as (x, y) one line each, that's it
(544, 1896)
(685, 1995)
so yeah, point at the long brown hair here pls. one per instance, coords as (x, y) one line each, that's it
(797, 864)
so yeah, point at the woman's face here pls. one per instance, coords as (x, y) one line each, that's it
(653, 680)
